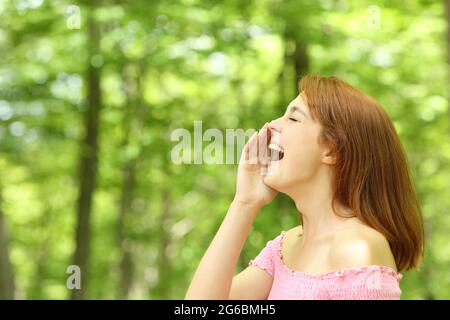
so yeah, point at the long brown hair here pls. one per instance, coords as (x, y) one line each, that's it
(372, 175)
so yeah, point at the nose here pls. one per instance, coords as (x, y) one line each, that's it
(275, 125)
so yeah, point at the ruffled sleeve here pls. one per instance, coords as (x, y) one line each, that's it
(266, 258)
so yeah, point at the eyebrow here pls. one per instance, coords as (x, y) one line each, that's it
(295, 108)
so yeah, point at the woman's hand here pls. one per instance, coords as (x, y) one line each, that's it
(250, 187)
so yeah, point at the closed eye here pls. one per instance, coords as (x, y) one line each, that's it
(292, 119)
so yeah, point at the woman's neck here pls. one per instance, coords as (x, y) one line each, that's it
(314, 203)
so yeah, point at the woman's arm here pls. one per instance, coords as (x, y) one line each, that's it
(214, 275)
(213, 278)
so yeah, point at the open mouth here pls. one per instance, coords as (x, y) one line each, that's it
(276, 152)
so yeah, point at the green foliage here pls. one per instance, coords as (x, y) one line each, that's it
(165, 64)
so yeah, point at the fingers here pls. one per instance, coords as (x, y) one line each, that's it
(264, 149)
(263, 152)
(256, 149)
(253, 148)
(245, 155)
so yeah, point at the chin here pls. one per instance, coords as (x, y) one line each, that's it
(272, 180)
(281, 183)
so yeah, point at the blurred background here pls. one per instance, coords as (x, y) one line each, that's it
(90, 92)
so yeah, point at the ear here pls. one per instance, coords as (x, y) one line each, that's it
(328, 157)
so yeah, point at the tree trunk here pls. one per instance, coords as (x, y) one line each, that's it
(130, 85)
(6, 270)
(164, 283)
(88, 162)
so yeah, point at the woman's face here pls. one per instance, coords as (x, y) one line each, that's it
(297, 135)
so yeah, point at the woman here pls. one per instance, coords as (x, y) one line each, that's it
(336, 154)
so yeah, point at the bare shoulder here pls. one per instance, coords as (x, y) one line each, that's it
(294, 232)
(361, 246)
(291, 235)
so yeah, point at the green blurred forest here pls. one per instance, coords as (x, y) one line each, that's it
(90, 92)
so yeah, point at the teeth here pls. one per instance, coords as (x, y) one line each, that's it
(277, 152)
(275, 147)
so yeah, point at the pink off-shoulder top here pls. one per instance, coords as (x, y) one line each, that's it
(366, 283)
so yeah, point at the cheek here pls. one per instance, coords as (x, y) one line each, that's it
(304, 156)
(301, 162)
